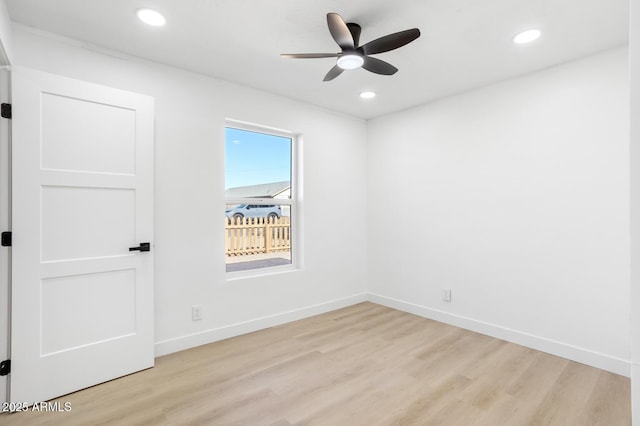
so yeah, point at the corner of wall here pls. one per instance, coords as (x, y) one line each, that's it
(6, 35)
(634, 63)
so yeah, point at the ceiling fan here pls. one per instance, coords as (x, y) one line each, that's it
(353, 56)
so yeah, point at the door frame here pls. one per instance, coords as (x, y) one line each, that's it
(5, 225)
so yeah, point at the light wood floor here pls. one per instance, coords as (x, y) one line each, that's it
(362, 365)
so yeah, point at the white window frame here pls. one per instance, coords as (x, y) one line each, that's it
(292, 202)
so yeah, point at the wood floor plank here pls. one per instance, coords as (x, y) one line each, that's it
(572, 390)
(362, 365)
(609, 402)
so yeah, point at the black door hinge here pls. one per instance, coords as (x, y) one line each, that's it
(6, 239)
(5, 110)
(5, 367)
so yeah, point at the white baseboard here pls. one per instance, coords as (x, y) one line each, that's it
(168, 346)
(574, 353)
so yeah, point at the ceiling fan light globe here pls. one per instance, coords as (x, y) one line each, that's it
(350, 61)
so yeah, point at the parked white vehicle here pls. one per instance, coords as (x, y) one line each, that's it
(254, 210)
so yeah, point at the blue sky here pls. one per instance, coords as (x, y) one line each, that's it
(253, 158)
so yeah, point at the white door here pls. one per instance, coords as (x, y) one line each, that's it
(82, 303)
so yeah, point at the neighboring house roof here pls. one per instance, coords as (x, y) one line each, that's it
(265, 190)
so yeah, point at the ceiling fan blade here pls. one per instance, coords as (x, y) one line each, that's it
(390, 42)
(340, 32)
(309, 55)
(355, 31)
(377, 66)
(333, 73)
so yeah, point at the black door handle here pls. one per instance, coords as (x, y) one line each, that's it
(141, 247)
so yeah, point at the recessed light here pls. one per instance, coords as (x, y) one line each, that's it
(350, 62)
(527, 36)
(368, 95)
(151, 17)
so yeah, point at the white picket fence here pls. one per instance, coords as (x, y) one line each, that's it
(245, 236)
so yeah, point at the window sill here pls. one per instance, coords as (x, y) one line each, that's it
(262, 272)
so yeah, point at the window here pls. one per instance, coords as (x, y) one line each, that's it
(260, 198)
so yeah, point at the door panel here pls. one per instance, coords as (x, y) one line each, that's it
(67, 325)
(82, 303)
(100, 138)
(86, 222)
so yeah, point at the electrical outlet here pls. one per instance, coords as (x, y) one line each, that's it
(446, 294)
(196, 313)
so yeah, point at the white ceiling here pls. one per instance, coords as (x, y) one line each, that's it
(464, 43)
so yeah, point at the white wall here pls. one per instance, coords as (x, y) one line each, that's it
(634, 53)
(515, 196)
(189, 195)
